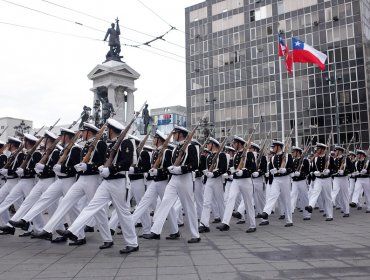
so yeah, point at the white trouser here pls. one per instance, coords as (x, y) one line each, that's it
(179, 186)
(241, 209)
(138, 191)
(52, 195)
(322, 186)
(280, 187)
(85, 186)
(36, 192)
(352, 182)
(4, 192)
(154, 190)
(340, 185)
(300, 189)
(109, 190)
(213, 193)
(199, 196)
(178, 211)
(21, 190)
(245, 187)
(259, 194)
(362, 185)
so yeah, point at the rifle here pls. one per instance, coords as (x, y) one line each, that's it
(304, 153)
(4, 130)
(74, 122)
(286, 147)
(327, 152)
(263, 150)
(157, 163)
(51, 127)
(141, 147)
(246, 148)
(13, 156)
(221, 148)
(201, 150)
(343, 163)
(120, 138)
(67, 149)
(92, 146)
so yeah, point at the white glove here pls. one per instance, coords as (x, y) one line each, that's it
(39, 167)
(81, 167)
(273, 171)
(131, 170)
(282, 170)
(356, 173)
(210, 174)
(176, 170)
(326, 172)
(145, 175)
(205, 172)
(225, 176)
(4, 172)
(232, 170)
(317, 173)
(20, 171)
(267, 174)
(341, 172)
(153, 172)
(239, 173)
(104, 171)
(363, 171)
(255, 174)
(297, 173)
(57, 168)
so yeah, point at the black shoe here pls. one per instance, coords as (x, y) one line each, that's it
(237, 215)
(264, 223)
(240, 222)
(321, 211)
(152, 213)
(324, 215)
(308, 209)
(216, 221)
(258, 216)
(7, 230)
(152, 235)
(282, 217)
(288, 225)
(129, 250)
(345, 215)
(264, 215)
(66, 226)
(20, 224)
(180, 225)
(359, 208)
(112, 231)
(145, 235)
(89, 229)
(59, 239)
(301, 210)
(173, 236)
(251, 230)
(25, 234)
(329, 219)
(353, 205)
(68, 234)
(106, 245)
(203, 229)
(194, 240)
(316, 208)
(138, 225)
(223, 227)
(367, 211)
(306, 219)
(78, 242)
(43, 235)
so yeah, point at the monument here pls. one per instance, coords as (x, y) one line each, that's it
(113, 83)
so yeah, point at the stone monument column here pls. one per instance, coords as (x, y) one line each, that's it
(130, 104)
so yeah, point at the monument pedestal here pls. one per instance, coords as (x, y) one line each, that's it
(113, 82)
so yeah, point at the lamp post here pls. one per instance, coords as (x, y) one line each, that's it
(212, 115)
(334, 82)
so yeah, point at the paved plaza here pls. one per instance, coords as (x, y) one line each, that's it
(310, 250)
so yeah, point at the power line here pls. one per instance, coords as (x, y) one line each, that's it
(156, 14)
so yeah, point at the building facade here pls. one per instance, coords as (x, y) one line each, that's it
(233, 69)
(15, 127)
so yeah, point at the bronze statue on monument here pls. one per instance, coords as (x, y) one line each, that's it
(114, 43)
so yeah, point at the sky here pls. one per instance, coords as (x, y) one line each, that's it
(43, 75)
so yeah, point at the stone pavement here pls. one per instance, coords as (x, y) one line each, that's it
(310, 250)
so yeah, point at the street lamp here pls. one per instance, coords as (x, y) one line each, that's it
(212, 116)
(21, 128)
(334, 82)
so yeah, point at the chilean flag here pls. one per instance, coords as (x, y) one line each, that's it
(284, 51)
(306, 54)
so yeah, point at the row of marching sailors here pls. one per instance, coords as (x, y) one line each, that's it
(283, 179)
(82, 191)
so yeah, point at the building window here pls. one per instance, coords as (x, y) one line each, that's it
(269, 30)
(192, 102)
(237, 75)
(351, 52)
(252, 16)
(205, 63)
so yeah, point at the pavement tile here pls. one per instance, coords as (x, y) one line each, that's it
(176, 270)
(137, 271)
(98, 272)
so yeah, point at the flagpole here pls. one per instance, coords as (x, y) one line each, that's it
(281, 102)
(295, 103)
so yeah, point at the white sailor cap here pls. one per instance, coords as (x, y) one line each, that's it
(196, 142)
(64, 130)
(130, 136)
(295, 148)
(361, 152)
(115, 124)
(239, 139)
(352, 153)
(171, 146)
(14, 140)
(160, 134)
(339, 148)
(30, 137)
(148, 148)
(178, 128)
(277, 143)
(90, 127)
(2, 142)
(50, 135)
(321, 145)
(254, 145)
(229, 148)
(211, 139)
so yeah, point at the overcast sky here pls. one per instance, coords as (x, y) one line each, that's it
(44, 74)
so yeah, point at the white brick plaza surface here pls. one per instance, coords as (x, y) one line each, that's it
(310, 250)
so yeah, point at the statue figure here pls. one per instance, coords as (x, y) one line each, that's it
(85, 116)
(97, 114)
(146, 118)
(107, 109)
(114, 43)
